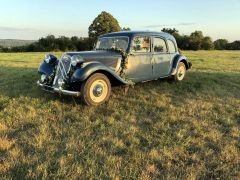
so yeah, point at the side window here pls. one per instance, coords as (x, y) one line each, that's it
(141, 44)
(159, 45)
(171, 46)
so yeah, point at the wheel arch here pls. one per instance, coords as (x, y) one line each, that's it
(82, 74)
(185, 63)
(177, 59)
(113, 80)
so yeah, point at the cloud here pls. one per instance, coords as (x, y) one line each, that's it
(167, 25)
(14, 29)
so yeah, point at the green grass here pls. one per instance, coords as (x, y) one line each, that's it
(158, 129)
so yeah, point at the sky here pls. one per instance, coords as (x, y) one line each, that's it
(30, 20)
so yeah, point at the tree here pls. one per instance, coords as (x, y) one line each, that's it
(220, 44)
(195, 40)
(173, 32)
(64, 43)
(207, 43)
(126, 29)
(48, 43)
(170, 31)
(83, 44)
(102, 24)
(233, 46)
(184, 42)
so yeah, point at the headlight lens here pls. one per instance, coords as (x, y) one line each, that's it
(76, 59)
(43, 77)
(47, 58)
(50, 58)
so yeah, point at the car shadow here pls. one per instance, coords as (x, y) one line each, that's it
(16, 82)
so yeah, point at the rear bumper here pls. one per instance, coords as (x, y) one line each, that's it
(58, 90)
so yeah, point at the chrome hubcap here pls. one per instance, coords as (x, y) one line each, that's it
(180, 73)
(98, 90)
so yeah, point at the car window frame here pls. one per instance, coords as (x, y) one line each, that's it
(139, 53)
(164, 39)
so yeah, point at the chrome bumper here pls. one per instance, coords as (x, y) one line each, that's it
(58, 90)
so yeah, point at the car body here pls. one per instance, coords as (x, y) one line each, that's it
(150, 56)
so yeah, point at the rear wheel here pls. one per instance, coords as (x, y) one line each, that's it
(96, 90)
(181, 72)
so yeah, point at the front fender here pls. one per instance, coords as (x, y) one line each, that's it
(177, 59)
(46, 68)
(83, 73)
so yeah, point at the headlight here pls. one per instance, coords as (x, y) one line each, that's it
(76, 59)
(43, 77)
(50, 58)
(47, 58)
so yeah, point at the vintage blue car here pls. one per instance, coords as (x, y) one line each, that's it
(119, 58)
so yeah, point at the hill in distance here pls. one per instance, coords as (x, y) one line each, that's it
(14, 42)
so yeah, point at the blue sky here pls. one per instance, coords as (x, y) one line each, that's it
(25, 19)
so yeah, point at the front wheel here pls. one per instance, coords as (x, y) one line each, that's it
(181, 72)
(96, 90)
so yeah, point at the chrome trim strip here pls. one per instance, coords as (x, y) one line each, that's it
(61, 69)
(55, 78)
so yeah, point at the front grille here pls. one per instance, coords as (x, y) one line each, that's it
(63, 69)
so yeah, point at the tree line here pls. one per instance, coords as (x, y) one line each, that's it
(197, 41)
(105, 23)
(52, 43)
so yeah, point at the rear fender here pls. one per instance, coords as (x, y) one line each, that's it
(177, 59)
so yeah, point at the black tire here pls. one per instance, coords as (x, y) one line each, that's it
(96, 90)
(180, 72)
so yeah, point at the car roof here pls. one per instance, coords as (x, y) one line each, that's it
(135, 33)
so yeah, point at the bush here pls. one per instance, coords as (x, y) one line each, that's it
(207, 43)
(220, 44)
(233, 46)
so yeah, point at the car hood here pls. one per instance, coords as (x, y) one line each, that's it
(108, 58)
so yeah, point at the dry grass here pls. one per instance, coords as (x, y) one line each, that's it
(158, 130)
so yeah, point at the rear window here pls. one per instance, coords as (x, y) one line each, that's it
(159, 45)
(171, 46)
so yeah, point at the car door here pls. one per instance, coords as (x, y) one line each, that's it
(161, 57)
(139, 67)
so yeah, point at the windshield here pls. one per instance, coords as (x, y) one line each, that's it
(112, 42)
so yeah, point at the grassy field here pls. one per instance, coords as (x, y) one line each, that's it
(158, 129)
